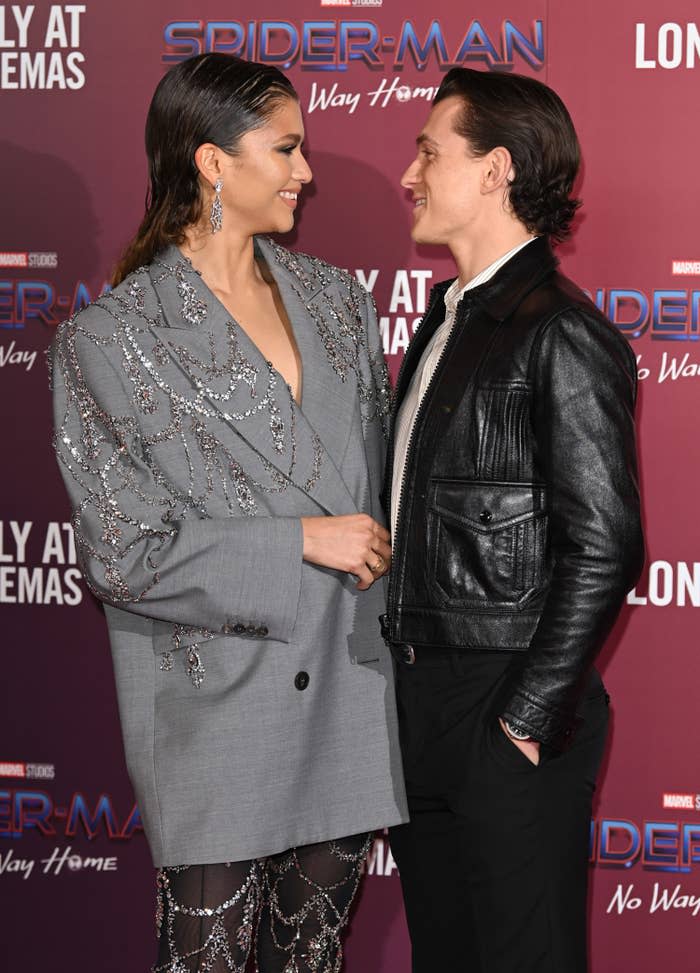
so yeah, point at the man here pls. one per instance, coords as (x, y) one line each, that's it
(516, 534)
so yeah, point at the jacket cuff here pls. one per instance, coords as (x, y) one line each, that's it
(552, 727)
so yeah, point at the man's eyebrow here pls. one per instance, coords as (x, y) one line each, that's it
(424, 139)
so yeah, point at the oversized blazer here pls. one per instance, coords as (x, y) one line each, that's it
(255, 692)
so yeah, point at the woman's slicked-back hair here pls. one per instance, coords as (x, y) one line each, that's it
(530, 120)
(213, 98)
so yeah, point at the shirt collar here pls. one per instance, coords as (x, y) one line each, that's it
(455, 293)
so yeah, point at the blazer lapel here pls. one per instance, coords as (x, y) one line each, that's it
(328, 399)
(230, 379)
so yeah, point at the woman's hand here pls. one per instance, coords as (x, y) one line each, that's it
(352, 542)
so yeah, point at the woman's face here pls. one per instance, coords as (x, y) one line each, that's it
(263, 180)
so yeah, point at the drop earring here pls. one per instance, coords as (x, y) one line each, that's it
(216, 217)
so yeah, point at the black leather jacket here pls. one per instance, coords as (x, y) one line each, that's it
(519, 525)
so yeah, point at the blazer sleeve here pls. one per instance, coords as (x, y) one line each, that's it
(134, 553)
(584, 381)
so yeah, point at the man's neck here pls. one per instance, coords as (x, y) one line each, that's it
(474, 254)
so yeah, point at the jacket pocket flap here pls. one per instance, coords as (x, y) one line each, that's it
(485, 506)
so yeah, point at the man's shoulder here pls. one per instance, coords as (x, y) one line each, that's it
(554, 294)
(561, 311)
(558, 300)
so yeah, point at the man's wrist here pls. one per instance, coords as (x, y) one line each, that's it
(516, 732)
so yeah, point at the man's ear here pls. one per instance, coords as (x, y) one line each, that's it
(208, 160)
(498, 170)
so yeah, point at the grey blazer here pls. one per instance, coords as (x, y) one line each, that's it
(255, 693)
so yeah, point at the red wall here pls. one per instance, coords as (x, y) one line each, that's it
(73, 189)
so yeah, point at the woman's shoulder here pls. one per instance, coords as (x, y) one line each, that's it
(313, 273)
(130, 301)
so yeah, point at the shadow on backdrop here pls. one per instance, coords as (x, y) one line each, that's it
(345, 226)
(53, 212)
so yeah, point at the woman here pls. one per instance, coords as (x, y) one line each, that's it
(219, 425)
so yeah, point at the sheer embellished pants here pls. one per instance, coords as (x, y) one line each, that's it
(287, 911)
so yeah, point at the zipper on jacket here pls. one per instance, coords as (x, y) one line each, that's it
(396, 547)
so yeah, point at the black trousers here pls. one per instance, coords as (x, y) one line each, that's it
(494, 860)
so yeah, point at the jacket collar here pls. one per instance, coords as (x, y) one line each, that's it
(508, 287)
(496, 298)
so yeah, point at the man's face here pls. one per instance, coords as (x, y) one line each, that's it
(445, 180)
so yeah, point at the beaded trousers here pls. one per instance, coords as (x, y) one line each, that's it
(284, 913)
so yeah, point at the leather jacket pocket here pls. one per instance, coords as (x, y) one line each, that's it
(487, 542)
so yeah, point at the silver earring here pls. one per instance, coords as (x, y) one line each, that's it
(216, 217)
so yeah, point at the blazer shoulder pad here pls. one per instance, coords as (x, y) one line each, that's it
(93, 320)
(99, 320)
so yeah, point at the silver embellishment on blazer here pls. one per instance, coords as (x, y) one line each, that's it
(344, 340)
(193, 662)
(106, 453)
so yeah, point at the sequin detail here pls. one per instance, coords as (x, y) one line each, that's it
(207, 915)
(194, 666)
(337, 314)
(193, 309)
(164, 422)
(324, 907)
(219, 948)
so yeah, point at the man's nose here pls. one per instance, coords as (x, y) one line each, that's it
(410, 176)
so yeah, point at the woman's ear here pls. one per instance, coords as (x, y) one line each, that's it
(207, 158)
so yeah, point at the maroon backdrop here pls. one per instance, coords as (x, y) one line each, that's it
(76, 80)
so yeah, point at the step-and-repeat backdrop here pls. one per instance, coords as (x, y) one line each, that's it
(75, 80)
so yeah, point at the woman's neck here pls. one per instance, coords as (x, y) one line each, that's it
(225, 261)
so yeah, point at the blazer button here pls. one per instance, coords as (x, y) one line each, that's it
(262, 631)
(485, 516)
(238, 629)
(301, 680)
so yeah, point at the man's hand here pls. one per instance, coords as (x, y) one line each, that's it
(531, 748)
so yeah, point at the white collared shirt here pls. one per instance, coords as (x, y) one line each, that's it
(424, 372)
